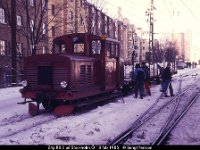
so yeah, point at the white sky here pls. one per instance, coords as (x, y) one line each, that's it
(170, 15)
(94, 127)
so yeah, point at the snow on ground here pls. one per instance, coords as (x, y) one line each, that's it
(188, 130)
(8, 103)
(93, 127)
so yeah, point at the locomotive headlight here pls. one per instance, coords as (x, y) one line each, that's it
(24, 83)
(63, 84)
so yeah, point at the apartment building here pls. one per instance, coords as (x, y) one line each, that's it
(31, 35)
(183, 43)
(65, 17)
(40, 21)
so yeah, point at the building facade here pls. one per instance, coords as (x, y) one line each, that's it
(30, 35)
(38, 22)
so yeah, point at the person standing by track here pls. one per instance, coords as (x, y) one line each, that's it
(147, 78)
(139, 77)
(167, 78)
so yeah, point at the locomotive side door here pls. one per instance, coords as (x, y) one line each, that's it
(110, 66)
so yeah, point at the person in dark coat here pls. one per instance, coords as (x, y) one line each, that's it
(139, 77)
(161, 70)
(147, 78)
(167, 77)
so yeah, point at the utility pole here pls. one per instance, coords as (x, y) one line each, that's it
(133, 53)
(151, 41)
(13, 41)
(150, 14)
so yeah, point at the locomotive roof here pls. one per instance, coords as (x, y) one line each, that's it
(64, 37)
(50, 56)
(78, 57)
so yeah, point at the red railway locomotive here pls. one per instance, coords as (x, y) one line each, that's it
(81, 65)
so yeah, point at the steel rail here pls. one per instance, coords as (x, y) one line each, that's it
(143, 119)
(159, 140)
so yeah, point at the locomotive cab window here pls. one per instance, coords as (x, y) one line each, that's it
(60, 48)
(108, 48)
(56, 48)
(117, 50)
(96, 47)
(63, 48)
(112, 50)
(78, 43)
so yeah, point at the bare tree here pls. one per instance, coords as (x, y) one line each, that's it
(38, 16)
(47, 16)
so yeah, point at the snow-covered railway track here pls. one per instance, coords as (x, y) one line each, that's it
(148, 123)
(24, 123)
(176, 116)
(18, 118)
(9, 129)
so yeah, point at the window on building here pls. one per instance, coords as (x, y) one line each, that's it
(53, 30)
(99, 21)
(43, 28)
(93, 23)
(71, 16)
(116, 34)
(135, 47)
(106, 27)
(31, 2)
(81, 20)
(2, 47)
(19, 20)
(53, 9)
(2, 16)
